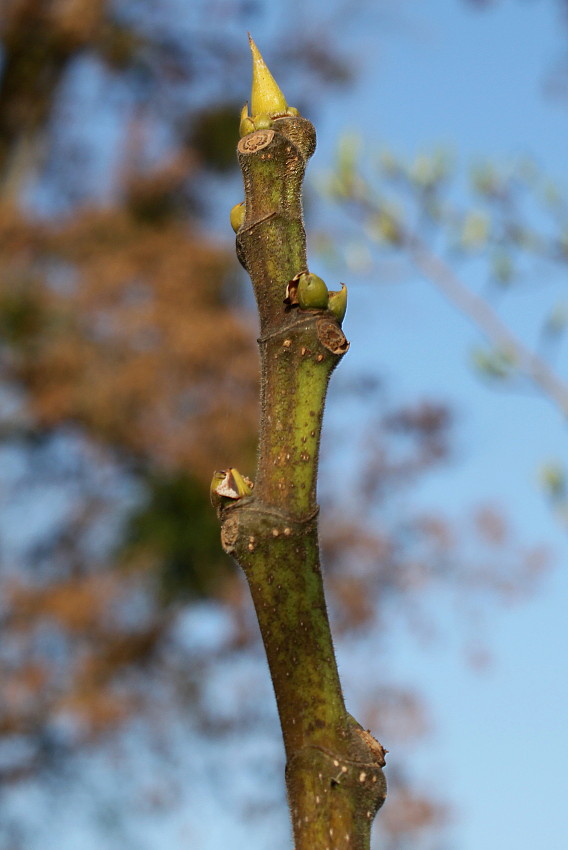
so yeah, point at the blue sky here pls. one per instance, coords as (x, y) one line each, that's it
(475, 81)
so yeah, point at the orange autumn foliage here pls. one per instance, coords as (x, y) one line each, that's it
(128, 337)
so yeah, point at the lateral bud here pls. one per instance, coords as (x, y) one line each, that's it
(229, 485)
(307, 291)
(237, 216)
(338, 303)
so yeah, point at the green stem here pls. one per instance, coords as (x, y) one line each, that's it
(296, 367)
(334, 777)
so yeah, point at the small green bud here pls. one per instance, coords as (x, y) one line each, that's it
(502, 268)
(238, 216)
(229, 484)
(246, 125)
(553, 478)
(338, 303)
(312, 292)
(475, 230)
(486, 180)
(388, 227)
(497, 364)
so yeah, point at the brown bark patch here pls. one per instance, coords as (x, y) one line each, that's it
(230, 533)
(331, 336)
(255, 141)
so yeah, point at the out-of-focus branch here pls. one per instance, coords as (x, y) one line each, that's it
(481, 314)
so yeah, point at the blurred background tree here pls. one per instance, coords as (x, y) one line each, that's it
(128, 373)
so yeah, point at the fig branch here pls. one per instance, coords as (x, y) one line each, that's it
(334, 771)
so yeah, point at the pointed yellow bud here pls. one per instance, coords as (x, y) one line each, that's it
(338, 303)
(267, 101)
(237, 216)
(229, 484)
(266, 97)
